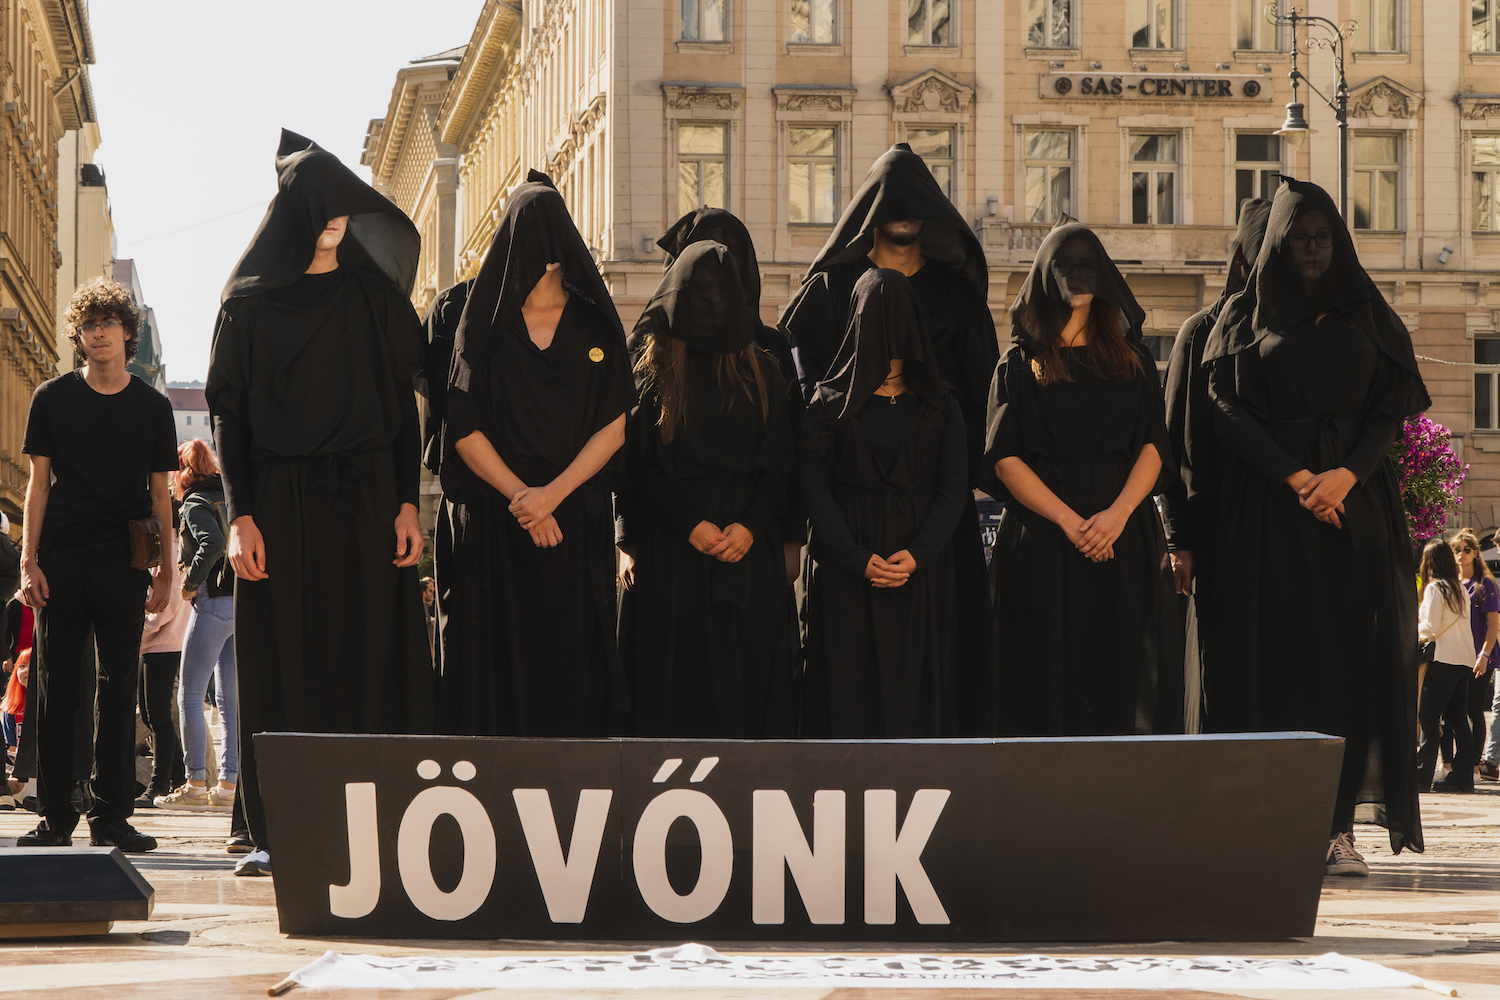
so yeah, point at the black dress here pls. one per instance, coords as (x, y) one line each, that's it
(529, 636)
(709, 645)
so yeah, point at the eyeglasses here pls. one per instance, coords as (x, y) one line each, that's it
(1463, 550)
(1299, 241)
(103, 324)
(1082, 268)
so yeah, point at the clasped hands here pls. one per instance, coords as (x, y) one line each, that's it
(532, 507)
(892, 572)
(727, 545)
(1095, 537)
(1323, 494)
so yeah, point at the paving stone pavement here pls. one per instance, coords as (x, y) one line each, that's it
(214, 936)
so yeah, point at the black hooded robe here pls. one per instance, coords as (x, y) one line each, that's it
(709, 645)
(881, 474)
(317, 433)
(528, 634)
(1190, 504)
(1079, 648)
(1316, 625)
(952, 292)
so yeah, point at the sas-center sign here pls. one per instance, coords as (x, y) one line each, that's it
(1100, 86)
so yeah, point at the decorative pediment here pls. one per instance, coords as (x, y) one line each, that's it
(688, 97)
(1383, 97)
(931, 91)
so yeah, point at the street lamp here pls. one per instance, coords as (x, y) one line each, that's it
(1296, 129)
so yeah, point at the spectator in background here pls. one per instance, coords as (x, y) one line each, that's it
(208, 649)
(12, 716)
(1484, 622)
(429, 609)
(161, 655)
(10, 563)
(1443, 621)
(19, 626)
(101, 443)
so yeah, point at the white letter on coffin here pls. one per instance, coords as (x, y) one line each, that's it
(890, 856)
(650, 856)
(565, 884)
(414, 841)
(779, 844)
(358, 898)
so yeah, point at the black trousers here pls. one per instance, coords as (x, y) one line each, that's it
(1445, 697)
(91, 586)
(157, 701)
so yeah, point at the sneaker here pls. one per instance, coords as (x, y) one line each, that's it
(45, 835)
(239, 843)
(221, 799)
(185, 799)
(1454, 785)
(1489, 771)
(255, 864)
(1343, 859)
(118, 833)
(8, 802)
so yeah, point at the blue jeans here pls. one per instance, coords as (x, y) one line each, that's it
(208, 648)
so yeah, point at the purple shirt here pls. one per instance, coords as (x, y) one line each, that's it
(1481, 602)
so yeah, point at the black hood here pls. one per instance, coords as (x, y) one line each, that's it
(1244, 249)
(313, 187)
(720, 226)
(1044, 303)
(900, 186)
(701, 302)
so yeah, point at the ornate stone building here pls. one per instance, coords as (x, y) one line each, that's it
(45, 88)
(1147, 120)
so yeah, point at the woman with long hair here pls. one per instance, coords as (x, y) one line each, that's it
(1312, 373)
(706, 630)
(1484, 623)
(208, 647)
(1086, 639)
(1442, 626)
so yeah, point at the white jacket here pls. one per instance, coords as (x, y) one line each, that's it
(1436, 620)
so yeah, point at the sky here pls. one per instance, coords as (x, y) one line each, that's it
(191, 99)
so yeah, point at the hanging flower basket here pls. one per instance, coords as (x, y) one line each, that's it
(1431, 475)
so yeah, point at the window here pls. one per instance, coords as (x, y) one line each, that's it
(1253, 32)
(1486, 383)
(812, 22)
(1153, 179)
(704, 20)
(929, 22)
(812, 174)
(1484, 162)
(1376, 180)
(1151, 23)
(1483, 36)
(1160, 346)
(1049, 24)
(190, 421)
(1257, 162)
(935, 146)
(1377, 25)
(1049, 176)
(700, 167)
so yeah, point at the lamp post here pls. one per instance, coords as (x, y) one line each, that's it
(1295, 129)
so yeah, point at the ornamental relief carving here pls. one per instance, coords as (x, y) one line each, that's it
(1481, 111)
(813, 102)
(1382, 98)
(684, 98)
(931, 95)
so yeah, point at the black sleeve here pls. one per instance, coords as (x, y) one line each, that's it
(1239, 429)
(232, 441)
(164, 449)
(953, 483)
(408, 445)
(38, 440)
(831, 535)
(1002, 437)
(1178, 384)
(651, 495)
(776, 461)
(1382, 425)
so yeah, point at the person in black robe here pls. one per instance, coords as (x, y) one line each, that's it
(900, 218)
(315, 419)
(537, 399)
(1190, 505)
(706, 626)
(1316, 612)
(1086, 640)
(884, 482)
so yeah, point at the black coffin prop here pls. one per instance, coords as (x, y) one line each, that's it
(46, 890)
(1086, 839)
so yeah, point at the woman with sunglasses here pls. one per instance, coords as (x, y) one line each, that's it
(1484, 621)
(1312, 373)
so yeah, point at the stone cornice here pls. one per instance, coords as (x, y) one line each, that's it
(488, 49)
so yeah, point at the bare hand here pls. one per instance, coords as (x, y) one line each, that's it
(792, 551)
(188, 595)
(705, 536)
(247, 550)
(1100, 532)
(34, 589)
(1182, 571)
(1324, 494)
(627, 565)
(1481, 664)
(882, 574)
(408, 537)
(546, 534)
(532, 504)
(903, 562)
(735, 542)
(1072, 529)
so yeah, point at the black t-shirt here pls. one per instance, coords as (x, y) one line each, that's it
(103, 450)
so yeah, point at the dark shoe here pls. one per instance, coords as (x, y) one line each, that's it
(239, 843)
(1489, 771)
(1448, 784)
(118, 833)
(46, 835)
(145, 802)
(29, 804)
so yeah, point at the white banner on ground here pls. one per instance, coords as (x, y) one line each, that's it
(696, 965)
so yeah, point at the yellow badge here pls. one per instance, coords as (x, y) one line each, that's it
(596, 354)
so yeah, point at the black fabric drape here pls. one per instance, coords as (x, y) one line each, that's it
(440, 327)
(1078, 648)
(1316, 625)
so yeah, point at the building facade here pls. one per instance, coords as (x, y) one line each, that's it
(1149, 121)
(85, 230)
(190, 413)
(45, 88)
(148, 363)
